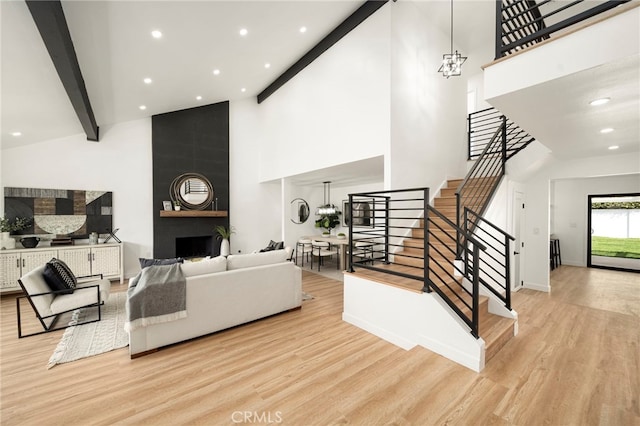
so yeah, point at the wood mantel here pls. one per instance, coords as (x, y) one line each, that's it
(193, 213)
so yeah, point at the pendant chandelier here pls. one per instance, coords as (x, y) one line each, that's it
(452, 62)
(327, 207)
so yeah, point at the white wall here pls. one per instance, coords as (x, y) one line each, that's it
(569, 207)
(120, 163)
(428, 112)
(335, 111)
(538, 195)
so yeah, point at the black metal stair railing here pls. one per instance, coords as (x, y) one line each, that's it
(482, 125)
(523, 23)
(472, 199)
(494, 262)
(406, 237)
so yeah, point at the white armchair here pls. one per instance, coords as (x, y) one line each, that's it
(49, 305)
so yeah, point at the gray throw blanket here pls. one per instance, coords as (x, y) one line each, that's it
(157, 294)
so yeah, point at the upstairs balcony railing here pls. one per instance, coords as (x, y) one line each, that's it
(523, 23)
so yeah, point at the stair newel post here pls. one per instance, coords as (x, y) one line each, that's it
(465, 241)
(498, 37)
(504, 142)
(476, 289)
(425, 241)
(387, 205)
(350, 216)
(507, 267)
(469, 137)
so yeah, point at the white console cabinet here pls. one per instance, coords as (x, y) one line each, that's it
(16, 263)
(105, 259)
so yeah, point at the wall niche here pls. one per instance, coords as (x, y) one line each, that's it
(194, 140)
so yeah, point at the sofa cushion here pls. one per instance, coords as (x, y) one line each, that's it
(152, 262)
(205, 266)
(238, 261)
(59, 276)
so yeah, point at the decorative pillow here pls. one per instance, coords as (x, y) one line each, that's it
(239, 261)
(273, 246)
(153, 262)
(58, 276)
(207, 266)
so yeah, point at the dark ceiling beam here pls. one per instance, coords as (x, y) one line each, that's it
(356, 18)
(52, 25)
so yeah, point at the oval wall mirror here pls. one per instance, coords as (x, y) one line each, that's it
(192, 190)
(299, 211)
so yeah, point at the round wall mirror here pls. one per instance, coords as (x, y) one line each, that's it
(299, 211)
(192, 190)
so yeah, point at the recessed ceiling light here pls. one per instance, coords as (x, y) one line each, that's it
(303, 29)
(243, 90)
(607, 130)
(600, 101)
(612, 147)
(16, 134)
(147, 80)
(267, 65)
(243, 32)
(216, 72)
(156, 34)
(198, 98)
(142, 107)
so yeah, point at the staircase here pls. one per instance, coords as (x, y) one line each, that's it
(495, 330)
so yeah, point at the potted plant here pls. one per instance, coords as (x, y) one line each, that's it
(328, 222)
(224, 233)
(18, 224)
(176, 205)
(7, 227)
(341, 236)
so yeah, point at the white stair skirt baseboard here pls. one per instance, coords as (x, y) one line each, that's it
(407, 319)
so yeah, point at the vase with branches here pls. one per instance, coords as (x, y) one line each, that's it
(224, 233)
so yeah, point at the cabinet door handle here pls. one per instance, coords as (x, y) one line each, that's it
(18, 263)
(88, 257)
(93, 256)
(23, 263)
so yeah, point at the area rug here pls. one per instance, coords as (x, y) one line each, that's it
(94, 338)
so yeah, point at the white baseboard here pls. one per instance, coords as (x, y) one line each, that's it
(462, 358)
(378, 331)
(538, 287)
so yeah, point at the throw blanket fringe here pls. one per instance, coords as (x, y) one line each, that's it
(159, 319)
(156, 295)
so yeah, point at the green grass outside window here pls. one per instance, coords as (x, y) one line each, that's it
(616, 247)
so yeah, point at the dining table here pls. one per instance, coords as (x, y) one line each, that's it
(342, 244)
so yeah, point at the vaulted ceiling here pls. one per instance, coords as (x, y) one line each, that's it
(117, 52)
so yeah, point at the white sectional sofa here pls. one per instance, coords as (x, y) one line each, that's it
(222, 293)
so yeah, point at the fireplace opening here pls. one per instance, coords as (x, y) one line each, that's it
(190, 247)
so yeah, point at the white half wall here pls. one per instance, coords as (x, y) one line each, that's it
(407, 319)
(120, 163)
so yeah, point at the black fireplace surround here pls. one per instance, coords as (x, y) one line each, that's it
(194, 140)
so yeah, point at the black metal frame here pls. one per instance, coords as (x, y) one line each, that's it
(50, 327)
(482, 125)
(525, 25)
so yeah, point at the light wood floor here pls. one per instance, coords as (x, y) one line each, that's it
(575, 362)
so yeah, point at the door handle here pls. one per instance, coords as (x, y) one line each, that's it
(516, 252)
